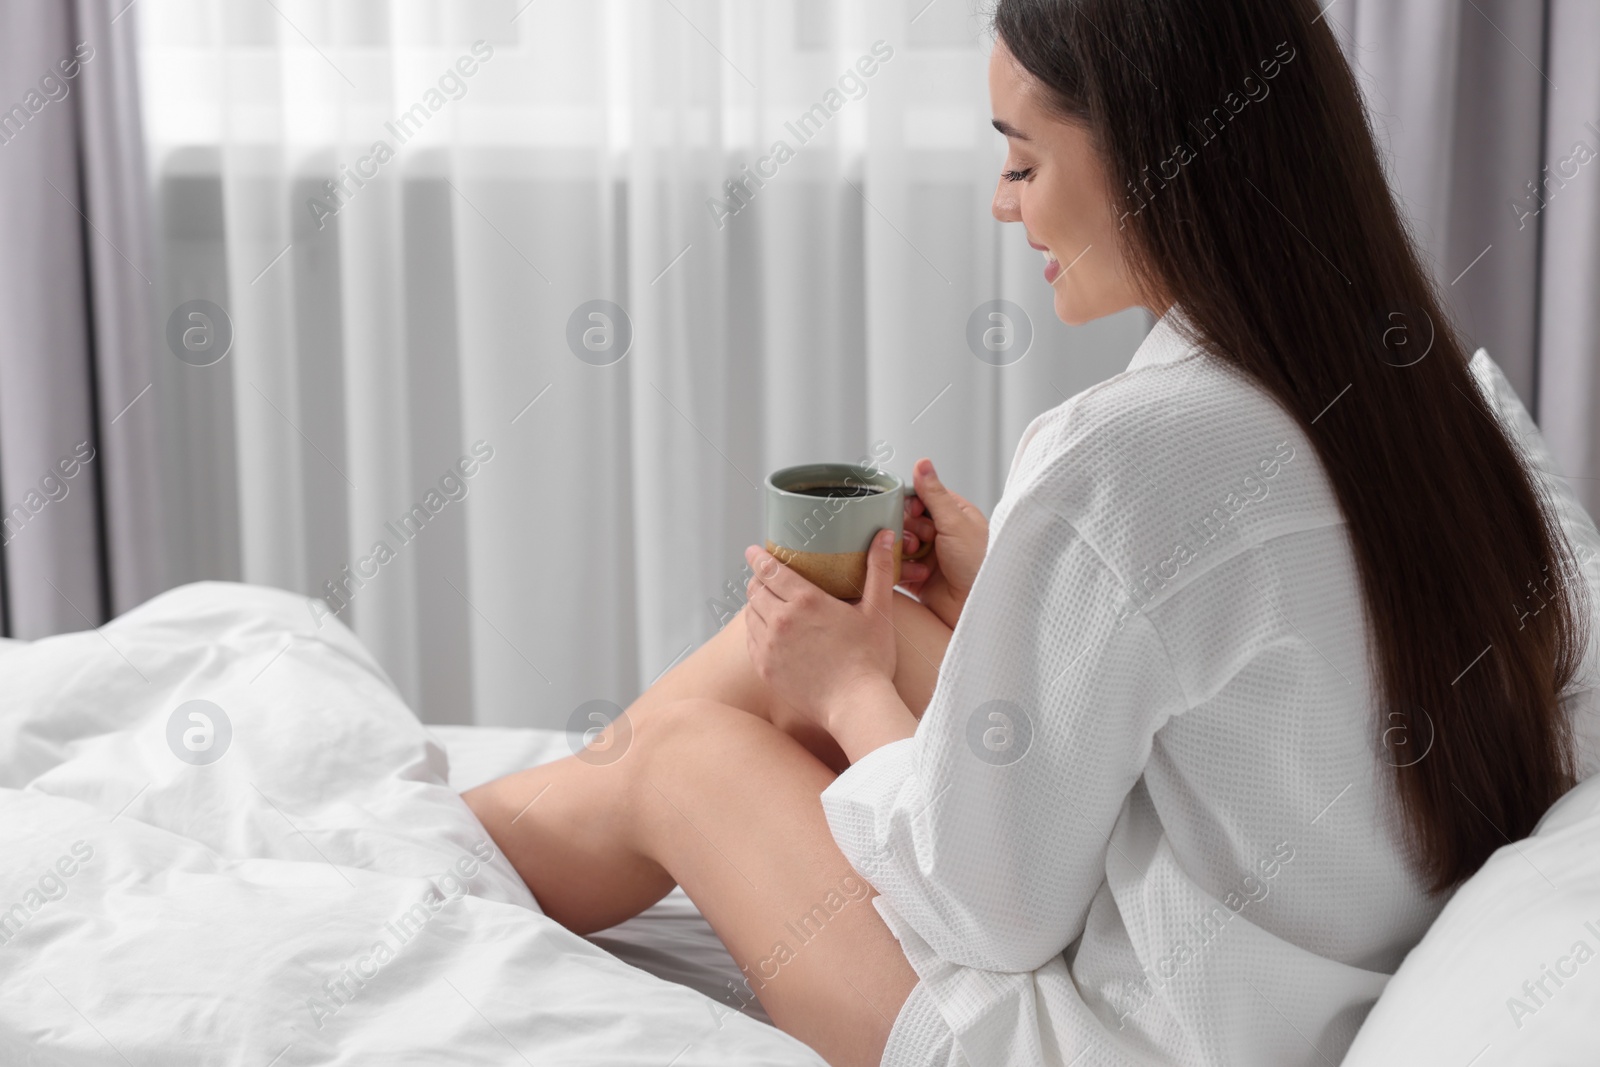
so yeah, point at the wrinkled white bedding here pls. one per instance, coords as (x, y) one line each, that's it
(317, 895)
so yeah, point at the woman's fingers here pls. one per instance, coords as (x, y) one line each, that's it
(755, 636)
(752, 594)
(914, 537)
(922, 527)
(779, 580)
(755, 633)
(913, 572)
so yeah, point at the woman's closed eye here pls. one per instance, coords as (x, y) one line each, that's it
(1016, 175)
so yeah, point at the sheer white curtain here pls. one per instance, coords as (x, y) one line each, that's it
(421, 340)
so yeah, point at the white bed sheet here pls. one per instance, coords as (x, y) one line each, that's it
(671, 940)
(156, 911)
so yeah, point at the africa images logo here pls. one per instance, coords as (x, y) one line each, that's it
(199, 732)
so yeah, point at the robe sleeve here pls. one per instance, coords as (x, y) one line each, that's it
(987, 830)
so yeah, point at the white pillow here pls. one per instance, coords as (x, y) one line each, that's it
(1510, 971)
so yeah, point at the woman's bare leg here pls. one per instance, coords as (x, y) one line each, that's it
(726, 805)
(721, 670)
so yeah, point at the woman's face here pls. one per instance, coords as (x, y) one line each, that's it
(1054, 184)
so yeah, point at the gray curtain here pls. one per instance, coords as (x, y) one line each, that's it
(1569, 299)
(124, 337)
(77, 477)
(1490, 112)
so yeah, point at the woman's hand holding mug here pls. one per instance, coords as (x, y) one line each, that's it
(960, 537)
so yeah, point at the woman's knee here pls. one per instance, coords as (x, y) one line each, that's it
(681, 718)
(695, 752)
(692, 732)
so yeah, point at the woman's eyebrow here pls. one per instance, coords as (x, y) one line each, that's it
(1009, 130)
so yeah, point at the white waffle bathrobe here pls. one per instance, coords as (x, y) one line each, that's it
(1145, 816)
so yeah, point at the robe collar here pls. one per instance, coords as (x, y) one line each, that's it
(1166, 341)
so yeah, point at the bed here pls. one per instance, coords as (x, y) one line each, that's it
(224, 839)
(292, 877)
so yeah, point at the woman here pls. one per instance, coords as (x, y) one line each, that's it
(1247, 680)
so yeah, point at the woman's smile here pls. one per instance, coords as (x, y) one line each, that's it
(1052, 264)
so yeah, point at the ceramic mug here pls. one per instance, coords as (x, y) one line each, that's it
(821, 518)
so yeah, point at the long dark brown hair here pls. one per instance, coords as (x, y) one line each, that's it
(1251, 193)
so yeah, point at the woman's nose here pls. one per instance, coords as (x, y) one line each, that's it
(1005, 203)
